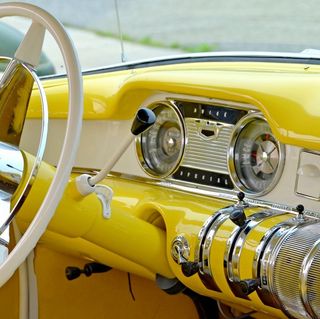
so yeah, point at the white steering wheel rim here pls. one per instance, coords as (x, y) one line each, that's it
(71, 141)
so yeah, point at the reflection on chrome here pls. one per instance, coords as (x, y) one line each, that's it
(11, 172)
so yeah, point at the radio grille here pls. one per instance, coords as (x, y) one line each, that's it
(293, 261)
(209, 155)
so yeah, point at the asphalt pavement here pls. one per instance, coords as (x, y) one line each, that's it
(93, 50)
(225, 25)
(165, 27)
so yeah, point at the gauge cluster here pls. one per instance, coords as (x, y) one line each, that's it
(211, 145)
(255, 156)
(160, 148)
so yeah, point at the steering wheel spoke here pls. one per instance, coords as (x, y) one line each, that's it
(16, 84)
(29, 50)
(15, 91)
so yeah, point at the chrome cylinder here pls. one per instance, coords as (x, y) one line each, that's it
(290, 266)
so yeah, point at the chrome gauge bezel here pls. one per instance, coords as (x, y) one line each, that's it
(143, 163)
(246, 120)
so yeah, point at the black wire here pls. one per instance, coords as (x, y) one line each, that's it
(130, 287)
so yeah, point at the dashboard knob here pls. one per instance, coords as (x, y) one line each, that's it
(300, 210)
(143, 120)
(240, 196)
(190, 268)
(249, 285)
(238, 217)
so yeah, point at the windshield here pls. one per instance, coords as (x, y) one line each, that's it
(160, 28)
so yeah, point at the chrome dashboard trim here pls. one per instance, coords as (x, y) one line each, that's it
(141, 160)
(205, 272)
(270, 256)
(205, 191)
(231, 159)
(306, 266)
(267, 261)
(210, 101)
(233, 255)
(223, 56)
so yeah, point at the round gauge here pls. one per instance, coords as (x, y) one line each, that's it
(161, 147)
(256, 157)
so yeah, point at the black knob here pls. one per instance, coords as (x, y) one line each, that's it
(300, 209)
(143, 120)
(73, 272)
(94, 268)
(238, 216)
(240, 196)
(249, 285)
(89, 269)
(190, 268)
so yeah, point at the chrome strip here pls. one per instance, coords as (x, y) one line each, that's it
(249, 54)
(212, 192)
(306, 265)
(211, 101)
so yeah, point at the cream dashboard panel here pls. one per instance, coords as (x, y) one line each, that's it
(100, 138)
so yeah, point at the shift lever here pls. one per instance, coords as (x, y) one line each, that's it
(87, 184)
(142, 121)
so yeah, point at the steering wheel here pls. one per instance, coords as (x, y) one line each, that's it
(28, 54)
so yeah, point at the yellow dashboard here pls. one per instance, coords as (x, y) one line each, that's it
(210, 194)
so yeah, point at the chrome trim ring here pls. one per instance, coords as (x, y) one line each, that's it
(231, 157)
(139, 151)
(233, 266)
(265, 276)
(270, 256)
(305, 269)
(202, 235)
(205, 272)
(260, 249)
(180, 249)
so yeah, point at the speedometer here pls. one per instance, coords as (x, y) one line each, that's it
(160, 148)
(255, 158)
